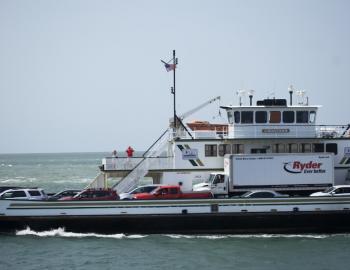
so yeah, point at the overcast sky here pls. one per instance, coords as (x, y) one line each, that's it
(80, 76)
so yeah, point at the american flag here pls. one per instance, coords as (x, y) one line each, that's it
(169, 67)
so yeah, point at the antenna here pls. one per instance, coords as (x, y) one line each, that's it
(291, 90)
(301, 96)
(251, 94)
(240, 93)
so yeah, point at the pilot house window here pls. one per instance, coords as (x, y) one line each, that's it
(302, 117)
(237, 116)
(275, 117)
(230, 117)
(312, 117)
(260, 117)
(247, 117)
(288, 117)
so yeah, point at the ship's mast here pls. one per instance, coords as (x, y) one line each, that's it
(173, 90)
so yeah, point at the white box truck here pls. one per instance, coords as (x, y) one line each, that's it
(288, 173)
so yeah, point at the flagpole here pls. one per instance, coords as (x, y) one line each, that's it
(174, 91)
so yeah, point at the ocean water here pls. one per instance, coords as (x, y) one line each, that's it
(59, 249)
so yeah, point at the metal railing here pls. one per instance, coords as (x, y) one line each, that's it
(271, 131)
(127, 164)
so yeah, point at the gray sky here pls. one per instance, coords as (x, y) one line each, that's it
(79, 76)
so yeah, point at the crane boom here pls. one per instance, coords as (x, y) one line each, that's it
(190, 112)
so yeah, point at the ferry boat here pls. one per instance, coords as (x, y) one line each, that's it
(186, 154)
(189, 153)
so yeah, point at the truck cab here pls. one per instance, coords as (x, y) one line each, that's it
(216, 183)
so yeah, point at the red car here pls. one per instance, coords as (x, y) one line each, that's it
(171, 193)
(94, 195)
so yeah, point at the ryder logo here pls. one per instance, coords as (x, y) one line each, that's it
(303, 167)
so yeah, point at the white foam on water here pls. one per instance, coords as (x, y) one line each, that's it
(19, 179)
(11, 180)
(212, 237)
(247, 236)
(60, 232)
(70, 181)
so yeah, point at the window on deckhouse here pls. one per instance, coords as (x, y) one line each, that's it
(305, 147)
(292, 148)
(237, 116)
(230, 117)
(275, 117)
(318, 147)
(332, 148)
(247, 117)
(211, 150)
(302, 117)
(260, 117)
(224, 149)
(312, 117)
(288, 117)
(237, 148)
(278, 148)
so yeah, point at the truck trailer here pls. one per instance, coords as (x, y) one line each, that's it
(293, 174)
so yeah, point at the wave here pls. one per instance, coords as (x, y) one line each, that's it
(70, 181)
(19, 179)
(6, 165)
(60, 232)
(263, 236)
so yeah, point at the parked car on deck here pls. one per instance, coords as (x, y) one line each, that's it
(93, 195)
(3, 188)
(142, 189)
(165, 192)
(64, 193)
(263, 194)
(24, 194)
(342, 190)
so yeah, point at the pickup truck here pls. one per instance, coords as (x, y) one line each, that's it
(172, 193)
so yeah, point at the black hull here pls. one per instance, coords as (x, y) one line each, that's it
(214, 223)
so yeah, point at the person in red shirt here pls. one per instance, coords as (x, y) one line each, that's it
(129, 151)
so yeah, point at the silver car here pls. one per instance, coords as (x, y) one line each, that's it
(263, 194)
(341, 190)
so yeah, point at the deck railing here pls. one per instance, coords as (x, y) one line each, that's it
(127, 164)
(270, 131)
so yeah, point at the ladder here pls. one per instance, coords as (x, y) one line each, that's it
(131, 180)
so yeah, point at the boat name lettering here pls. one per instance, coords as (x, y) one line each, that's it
(275, 130)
